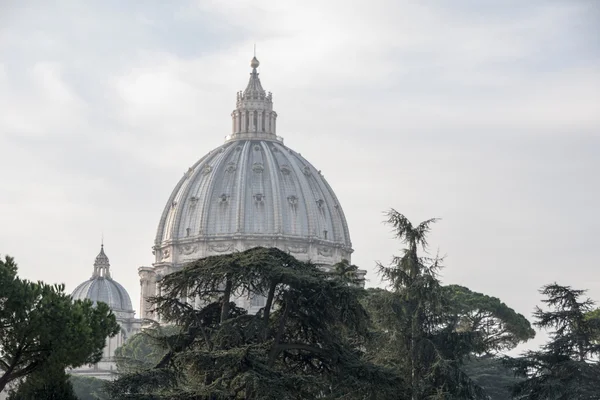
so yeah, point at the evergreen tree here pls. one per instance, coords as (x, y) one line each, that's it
(492, 375)
(41, 327)
(419, 334)
(500, 328)
(567, 366)
(306, 342)
(143, 350)
(48, 383)
(88, 388)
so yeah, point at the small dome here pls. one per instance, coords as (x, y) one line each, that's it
(101, 287)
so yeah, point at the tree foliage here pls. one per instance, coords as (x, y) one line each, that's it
(567, 366)
(88, 388)
(42, 327)
(499, 326)
(306, 342)
(594, 318)
(418, 333)
(47, 383)
(492, 375)
(143, 350)
(319, 334)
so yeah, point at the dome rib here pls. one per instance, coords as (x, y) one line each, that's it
(271, 167)
(241, 204)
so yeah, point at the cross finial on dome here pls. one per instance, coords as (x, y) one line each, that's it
(254, 63)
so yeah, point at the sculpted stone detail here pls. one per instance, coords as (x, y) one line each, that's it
(189, 172)
(230, 168)
(193, 201)
(165, 254)
(259, 197)
(221, 247)
(293, 200)
(188, 249)
(256, 148)
(223, 198)
(325, 251)
(306, 171)
(320, 203)
(258, 167)
(285, 169)
(206, 169)
(297, 249)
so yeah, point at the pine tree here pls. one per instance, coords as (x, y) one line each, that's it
(306, 342)
(420, 336)
(567, 366)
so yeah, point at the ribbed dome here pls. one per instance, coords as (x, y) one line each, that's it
(252, 191)
(101, 287)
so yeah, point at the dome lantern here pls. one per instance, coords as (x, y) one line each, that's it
(101, 287)
(254, 116)
(101, 265)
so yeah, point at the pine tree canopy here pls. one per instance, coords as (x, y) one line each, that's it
(41, 327)
(307, 342)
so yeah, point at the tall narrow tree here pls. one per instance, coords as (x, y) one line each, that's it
(417, 320)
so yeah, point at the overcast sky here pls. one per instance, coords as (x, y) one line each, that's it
(483, 113)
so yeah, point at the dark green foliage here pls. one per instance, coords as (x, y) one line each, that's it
(567, 366)
(594, 318)
(307, 341)
(88, 388)
(419, 335)
(44, 384)
(501, 328)
(143, 350)
(492, 375)
(41, 326)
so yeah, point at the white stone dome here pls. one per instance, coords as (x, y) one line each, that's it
(252, 191)
(101, 287)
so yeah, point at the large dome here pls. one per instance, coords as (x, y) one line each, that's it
(252, 191)
(101, 287)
